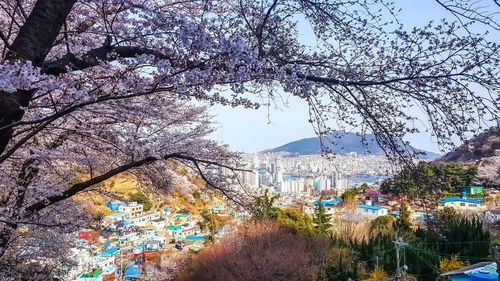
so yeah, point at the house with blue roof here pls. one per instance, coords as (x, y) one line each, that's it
(331, 202)
(132, 272)
(462, 204)
(109, 252)
(114, 205)
(105, 261)
(482, 271)
(194, 238)
(371, 210)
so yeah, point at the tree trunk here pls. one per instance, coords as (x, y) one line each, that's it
(5, 235)
(32, 43)
(37, 35)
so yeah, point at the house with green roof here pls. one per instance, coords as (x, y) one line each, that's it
(93, 275)
(175, 231)
(472, 189)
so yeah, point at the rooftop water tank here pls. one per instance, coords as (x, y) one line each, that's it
(464, 194)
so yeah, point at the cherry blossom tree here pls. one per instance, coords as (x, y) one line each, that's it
(90, 89)
(489, 172)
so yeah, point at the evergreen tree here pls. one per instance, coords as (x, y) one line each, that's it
(341, 264)
(321, 218)
(263, 206)
(383, 225)
(143, 199)
(296, 221)
(349, 198)
(209, 223)
(403, 222)
(429, 179)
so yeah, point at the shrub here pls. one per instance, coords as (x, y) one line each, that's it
(141, 198)
(259, 251)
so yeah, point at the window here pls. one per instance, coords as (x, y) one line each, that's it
(462, 204)
(472, 205)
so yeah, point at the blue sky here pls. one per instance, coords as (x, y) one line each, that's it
(249, 130)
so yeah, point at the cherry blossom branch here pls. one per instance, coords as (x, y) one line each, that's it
(79, 187)
(49, 119)
(74, 189)
(470, 12)
(95, 56)
(16, 223)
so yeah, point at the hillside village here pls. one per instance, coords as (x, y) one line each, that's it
(130, 235)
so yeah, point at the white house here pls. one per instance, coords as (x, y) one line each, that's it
(153, 245)
(106, 264)
(462, 204)
(115, 217)
(371, 210)
(83, 261)
(159, 224)
(144, 220)
(133, 209)
(218, 208)
(174, 230)
(148, 231)
(128, 239)
(167, 210)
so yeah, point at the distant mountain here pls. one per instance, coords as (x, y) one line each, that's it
(343, 143)
(481, 146)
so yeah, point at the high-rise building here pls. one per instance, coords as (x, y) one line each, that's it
(279, 176)
(338, 181)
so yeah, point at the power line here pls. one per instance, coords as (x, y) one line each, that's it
(401, 245)
(433, 267)
(446, 255)
(380, 254)
(456, 242)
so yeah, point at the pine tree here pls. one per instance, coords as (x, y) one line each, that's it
(403, 222)
(383, 225)
(209, 223)
(321, 218)
(263, 206)
(143, 199)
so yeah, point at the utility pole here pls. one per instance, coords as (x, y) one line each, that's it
(399, 244)
(398, 268)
